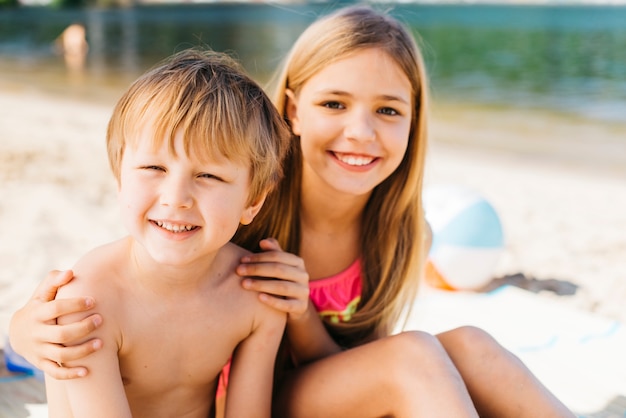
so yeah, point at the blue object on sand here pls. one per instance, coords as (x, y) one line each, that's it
(18, 364)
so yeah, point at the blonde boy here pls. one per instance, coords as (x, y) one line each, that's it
(195, 146)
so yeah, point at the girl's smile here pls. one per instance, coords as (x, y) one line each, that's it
(353, 124)
(355, 161)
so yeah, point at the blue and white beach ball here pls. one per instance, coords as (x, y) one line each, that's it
(467, 238)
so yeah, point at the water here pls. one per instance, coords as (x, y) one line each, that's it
(564, 58)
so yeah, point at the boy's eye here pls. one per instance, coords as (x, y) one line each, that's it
(153, 167)
(333, 105)
(210, 176)
(388, 111)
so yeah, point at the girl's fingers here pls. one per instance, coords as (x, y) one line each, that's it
(60, 354)
(280, 278)
(272, 253)
(274, 257)
(274, 271)
(56, 308)
(70, 333)
(279, 288)
(62, 373)
(289, 306)
(47, 289)
(269, 244)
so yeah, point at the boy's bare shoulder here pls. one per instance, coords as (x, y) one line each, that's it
(249, 297)
(97, 268)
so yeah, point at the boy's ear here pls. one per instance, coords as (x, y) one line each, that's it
(251, 211)
(291, 108)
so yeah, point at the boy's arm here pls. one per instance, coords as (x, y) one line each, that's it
(252, 372)
(101, 393)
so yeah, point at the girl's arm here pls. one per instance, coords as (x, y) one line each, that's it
(283, 283)
(33, 332)
(308, 338)
(252, 371)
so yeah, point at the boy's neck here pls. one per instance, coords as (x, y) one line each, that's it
(167, 279)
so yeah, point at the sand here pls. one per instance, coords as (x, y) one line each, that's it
(558, 183)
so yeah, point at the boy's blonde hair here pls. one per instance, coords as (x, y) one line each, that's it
(393, 226)
(221, 112)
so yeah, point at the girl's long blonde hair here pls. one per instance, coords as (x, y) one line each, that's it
(393, 230)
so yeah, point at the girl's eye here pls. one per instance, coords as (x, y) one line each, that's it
(388, 111)
(333, 105)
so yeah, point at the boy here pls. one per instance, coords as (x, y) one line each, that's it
(195, 146)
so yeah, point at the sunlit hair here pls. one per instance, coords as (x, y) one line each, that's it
(221, 112)
(393, 230)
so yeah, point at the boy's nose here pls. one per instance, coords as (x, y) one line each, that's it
(360, 126)
(175, 192)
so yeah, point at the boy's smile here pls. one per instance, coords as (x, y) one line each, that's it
(180, 209)
(173, 230)
(174, 227)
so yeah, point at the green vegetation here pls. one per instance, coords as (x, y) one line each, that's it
(8, 3)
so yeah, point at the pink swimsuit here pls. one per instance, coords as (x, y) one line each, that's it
(335, 297)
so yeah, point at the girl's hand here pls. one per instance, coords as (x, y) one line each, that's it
(279, 277)
(34, 334)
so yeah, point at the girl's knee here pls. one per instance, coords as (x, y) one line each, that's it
(469, 343)
(409, 343)
(468, 338)
(416, 350)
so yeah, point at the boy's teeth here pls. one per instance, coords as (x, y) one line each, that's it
(354, 160)
(174, 228)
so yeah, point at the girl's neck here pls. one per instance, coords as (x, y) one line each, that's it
(330, 226)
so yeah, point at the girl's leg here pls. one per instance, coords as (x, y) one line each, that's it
(406, 375)
(499, 383)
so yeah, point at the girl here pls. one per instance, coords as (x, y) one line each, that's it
(354, 92)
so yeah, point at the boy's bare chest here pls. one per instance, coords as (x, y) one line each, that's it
(181, 345)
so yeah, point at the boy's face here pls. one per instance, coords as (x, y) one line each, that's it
(179, 208)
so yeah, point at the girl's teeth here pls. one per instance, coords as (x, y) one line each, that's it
(354, 160)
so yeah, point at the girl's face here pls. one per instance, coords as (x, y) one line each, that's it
(178, 208)
(353, 118)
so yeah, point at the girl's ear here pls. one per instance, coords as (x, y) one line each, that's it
(251, 211)
(291, 108)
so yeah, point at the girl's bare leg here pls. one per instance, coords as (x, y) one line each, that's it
(499, 383)
(406, 375)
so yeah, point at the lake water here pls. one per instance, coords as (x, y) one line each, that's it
(563, 58)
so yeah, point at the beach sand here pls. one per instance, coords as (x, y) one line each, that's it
(558, 183)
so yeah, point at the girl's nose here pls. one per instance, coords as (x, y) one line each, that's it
(360, 126)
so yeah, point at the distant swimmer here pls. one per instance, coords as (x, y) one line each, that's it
(72, 43)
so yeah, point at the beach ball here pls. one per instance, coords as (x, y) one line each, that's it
(468, 240)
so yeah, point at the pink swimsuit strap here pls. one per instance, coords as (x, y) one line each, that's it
(337, 297)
